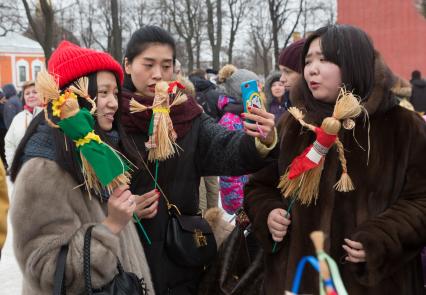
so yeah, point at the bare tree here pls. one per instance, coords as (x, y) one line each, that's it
(237, 10)
(116, 38)
(199, 37)
(316, 13)
(87, 22)
(262, 38)
(421, 6)
(214, 29)
(184, 14)
(280, 12)
(11, 19)
(42, 25)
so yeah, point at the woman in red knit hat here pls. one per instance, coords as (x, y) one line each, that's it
(51, 208)
(206, 149)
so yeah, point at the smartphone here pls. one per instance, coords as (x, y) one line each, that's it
(251, 96)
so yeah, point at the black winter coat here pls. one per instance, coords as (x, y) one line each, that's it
(418, 95)
(207, 95)
(208, 149)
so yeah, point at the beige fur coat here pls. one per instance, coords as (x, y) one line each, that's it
(47, 212)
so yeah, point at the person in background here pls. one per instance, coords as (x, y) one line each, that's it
(212, 75)
(231, 104)
(9, 91)
(207, 93)
(13, 104)
(22, 120)
(4, 206)
(291, 71)
(418, 93)
(276, 103)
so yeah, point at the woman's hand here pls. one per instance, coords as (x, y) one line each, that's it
(147, 204)
(121, 205)
(278, 224)
(263, 126)
(355, 250)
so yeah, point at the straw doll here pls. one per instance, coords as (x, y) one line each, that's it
(102, 166)
(303, 176)
(162, 137)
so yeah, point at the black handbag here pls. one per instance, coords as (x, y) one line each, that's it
(124, 283)
(235, 271)
(189, 239)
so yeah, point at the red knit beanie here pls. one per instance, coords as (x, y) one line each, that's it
(69, 62)
(290, 56)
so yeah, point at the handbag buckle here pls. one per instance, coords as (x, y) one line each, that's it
(200, 239)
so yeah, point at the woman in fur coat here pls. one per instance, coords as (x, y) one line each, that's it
(52, 208)
(376, 232)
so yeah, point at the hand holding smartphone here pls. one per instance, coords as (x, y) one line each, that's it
(251, 96)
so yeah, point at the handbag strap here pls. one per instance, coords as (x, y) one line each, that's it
(86, 261)
(59, 278)
(169, 205)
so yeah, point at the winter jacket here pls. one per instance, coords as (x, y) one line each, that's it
(207, 149)
(207, 95)
(50, 210)
(16, 132)
(386, 212)
(12, 107)
(418, 95)
(4, 205)
(231, 187)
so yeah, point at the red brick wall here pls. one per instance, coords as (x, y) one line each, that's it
(397, 29)
(5, 70)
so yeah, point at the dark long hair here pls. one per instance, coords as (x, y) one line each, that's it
(352, 50)
(66, 153)
(141, 40)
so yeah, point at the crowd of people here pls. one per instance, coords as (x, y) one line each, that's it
(225, 152)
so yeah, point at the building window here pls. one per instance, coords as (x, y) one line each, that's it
(36, 65)
(23, 71)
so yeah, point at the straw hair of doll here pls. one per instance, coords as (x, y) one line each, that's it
(179, 99)
(46, 86)
(345, 183)
(298, 115)
(81, 88)
(136, 107)
(49, 122)
(48, 90)
(347, 105)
